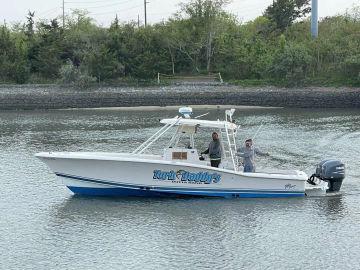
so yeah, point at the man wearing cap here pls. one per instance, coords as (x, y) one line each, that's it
(248, 153)
(214, 150)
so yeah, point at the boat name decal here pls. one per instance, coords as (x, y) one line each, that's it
(289, 186)
(189, 177)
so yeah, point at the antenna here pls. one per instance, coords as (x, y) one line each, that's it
(201, 115)
(256, 133)
(229, 113)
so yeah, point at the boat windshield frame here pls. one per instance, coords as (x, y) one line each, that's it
(227, 131)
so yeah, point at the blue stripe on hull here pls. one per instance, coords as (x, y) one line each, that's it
(121, 189)
(118, 192)
(151, 193)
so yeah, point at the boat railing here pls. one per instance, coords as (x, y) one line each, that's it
(155, 137)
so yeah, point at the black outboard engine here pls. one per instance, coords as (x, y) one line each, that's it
(331, 171)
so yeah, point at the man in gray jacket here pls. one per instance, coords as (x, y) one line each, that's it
(214, 150)
(248, 153)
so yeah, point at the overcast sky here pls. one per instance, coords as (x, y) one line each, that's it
(103, 11)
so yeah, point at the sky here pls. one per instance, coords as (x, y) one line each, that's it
(104, 11)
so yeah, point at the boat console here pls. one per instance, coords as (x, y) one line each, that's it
(183, 154)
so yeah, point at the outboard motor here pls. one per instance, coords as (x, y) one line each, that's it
(331, 171)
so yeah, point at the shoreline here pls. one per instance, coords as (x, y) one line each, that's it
(174, 107)
(51, 97)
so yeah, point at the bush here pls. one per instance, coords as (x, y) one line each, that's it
(84, 80)
(352, 66)
(291, 64)
(71, 75)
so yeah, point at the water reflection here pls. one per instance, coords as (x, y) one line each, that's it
(332, 206)
(185, 214)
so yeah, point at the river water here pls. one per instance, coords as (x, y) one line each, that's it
(43, 226)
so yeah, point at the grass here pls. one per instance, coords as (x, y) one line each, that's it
(130, 81)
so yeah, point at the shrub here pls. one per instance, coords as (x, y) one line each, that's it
(72, 75)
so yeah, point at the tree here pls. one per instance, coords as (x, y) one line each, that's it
(45, 52)
(102, 64)
(13, 62)
(199, 21)
(30, 25)
(147, 53)
(291, 64)
(202, 37)
(284, 12)
(72, 75)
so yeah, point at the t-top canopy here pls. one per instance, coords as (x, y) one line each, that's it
(199, 123)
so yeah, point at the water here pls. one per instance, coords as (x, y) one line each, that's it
(43, 226)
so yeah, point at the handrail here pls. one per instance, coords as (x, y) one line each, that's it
(156, 136)
(151, 137)
(154, 140)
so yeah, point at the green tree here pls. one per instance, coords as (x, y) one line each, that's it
(46, 50)
(13, 63)
(284, 12)
(291, 64)
(30, 25)
(72, 75)
(197, 26)
(102, 64)
(201, 38)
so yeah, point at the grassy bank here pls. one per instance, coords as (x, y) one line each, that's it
(315, 82)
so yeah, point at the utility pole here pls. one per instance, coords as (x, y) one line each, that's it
(63, 17)
(145, 2)
(138, 21)
(314, 18)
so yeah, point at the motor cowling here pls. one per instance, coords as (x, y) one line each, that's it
(331, 171)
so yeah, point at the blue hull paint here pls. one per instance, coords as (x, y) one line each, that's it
(119, 192)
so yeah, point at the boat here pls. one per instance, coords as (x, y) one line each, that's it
(182, 171)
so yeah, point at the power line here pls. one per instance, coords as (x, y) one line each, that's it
(87, 2)
(48, 11)
(54, 12)
(101, 8)
(111, 12)
(109, 5)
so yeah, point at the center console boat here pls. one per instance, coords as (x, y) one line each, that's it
(181, 171)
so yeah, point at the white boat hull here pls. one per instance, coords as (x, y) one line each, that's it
(105, 174)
